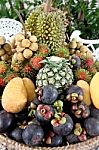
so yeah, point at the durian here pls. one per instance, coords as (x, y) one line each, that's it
(48, 26)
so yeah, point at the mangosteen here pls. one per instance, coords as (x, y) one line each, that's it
(52, 139)
(92, 126)
(16, 134)
(44, 113)
(94, 112)
(80, 110)
(33, 135)
(62, 124)
(74, 94)
(21, 116)
(72, 138)
(6, 121)
(49, 94)
(75, 61)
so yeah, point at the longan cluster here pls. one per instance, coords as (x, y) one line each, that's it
(23, 47)
(5, 49)
(79, 49)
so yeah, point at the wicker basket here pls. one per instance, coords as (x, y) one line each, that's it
(8, 144)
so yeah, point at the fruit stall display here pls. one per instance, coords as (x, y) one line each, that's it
(48, 88)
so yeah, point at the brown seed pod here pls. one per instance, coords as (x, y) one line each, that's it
(33, 47)
(2, 40)
(2, 51)
(33, 38)
(19, 37)
(27, 53)
(5, 57)
(26, 43)
(20, 57)
(7, 47)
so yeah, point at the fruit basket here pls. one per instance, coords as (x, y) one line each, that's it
(48, 87)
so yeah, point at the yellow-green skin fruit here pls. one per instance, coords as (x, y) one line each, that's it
(86, 89)
(94, 90)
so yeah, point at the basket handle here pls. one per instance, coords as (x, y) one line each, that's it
(47, 6)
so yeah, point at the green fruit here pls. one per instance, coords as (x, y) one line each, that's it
(56, 72)
(48, 27)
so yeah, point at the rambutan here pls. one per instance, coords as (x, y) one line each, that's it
(82, 74)
(35, 62)
(3, 67)
(2, 81)
(10, 75)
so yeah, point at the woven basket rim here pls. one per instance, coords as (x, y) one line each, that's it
(90, 144)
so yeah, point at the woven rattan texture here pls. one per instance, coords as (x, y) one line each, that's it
(91, 144)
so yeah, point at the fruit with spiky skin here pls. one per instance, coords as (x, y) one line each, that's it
(56, 72)
(35, 62)
(62, 124)
(27, 71)
(3, 67)
(82, 74)
(10, 75)
(2, 81)
(43, 50)
(48, 27)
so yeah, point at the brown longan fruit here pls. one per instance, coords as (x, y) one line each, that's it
(26, 43)
(27, 53)
(2, 40)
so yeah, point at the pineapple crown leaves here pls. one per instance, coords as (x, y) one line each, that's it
(55, 61)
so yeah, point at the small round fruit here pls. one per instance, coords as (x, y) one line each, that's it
(62, 124)
(25, 43)
(5, 57)
(16, 134)
(53, 139)
(7, 47)
(2, 51)
(92, 126)
(33, 135)
(73, 44)
(44, 113)
(6, 121)
(75, 61)
(27, 53)
(33, 38)
(33, 47)
(19, 37)
(50, 94)
(94, 112)
(2, 40)
(72, 138)
(20, 57)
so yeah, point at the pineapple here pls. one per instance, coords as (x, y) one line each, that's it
(48, 26)
(57, 72)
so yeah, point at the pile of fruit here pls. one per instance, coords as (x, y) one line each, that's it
(48, 88)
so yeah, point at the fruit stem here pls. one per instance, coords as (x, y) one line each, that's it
(47, 6)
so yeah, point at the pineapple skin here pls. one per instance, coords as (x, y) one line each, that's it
(60, 77)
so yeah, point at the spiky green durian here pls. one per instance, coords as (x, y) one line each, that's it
(48, 27)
